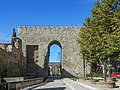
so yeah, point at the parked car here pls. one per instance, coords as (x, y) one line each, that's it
(115, 74)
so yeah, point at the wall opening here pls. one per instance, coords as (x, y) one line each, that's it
(54, 58)
(31, 60)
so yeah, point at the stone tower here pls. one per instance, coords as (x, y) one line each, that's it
(36, 42)
(16, 42)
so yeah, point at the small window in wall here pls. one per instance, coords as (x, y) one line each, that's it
(31, 60)
(36, 56)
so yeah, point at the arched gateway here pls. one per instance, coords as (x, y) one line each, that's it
(35, 45)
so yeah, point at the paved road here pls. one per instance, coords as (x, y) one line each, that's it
(53, 83)
(56, 83)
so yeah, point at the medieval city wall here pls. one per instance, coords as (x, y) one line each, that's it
(43, 36)
(12, 61)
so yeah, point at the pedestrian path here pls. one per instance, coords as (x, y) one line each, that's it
(57, 83)
(79, 86)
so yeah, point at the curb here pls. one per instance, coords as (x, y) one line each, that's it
(86, 86)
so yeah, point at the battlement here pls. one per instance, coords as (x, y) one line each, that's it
(49, 27)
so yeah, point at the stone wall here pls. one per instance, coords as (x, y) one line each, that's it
(55, 68)
(4, 56)
(13, 62)
(43, 36)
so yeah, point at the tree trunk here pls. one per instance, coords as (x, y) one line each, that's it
(84, 76)
(91, 75)
(105, 70)
(109, 72)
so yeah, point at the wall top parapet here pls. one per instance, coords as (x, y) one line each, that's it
(47, 27)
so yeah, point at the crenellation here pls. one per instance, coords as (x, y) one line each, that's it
(61, 27)
(24, 27)
(34, 27)
(57, 28)
(42, 38)
(66, 27)
(43, 27)
(28, 27)
(47, 27)
(71, 27)
(75, 27)
(52, 27)
(38, 27)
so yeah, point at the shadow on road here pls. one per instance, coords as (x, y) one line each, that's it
(53, 78)
(49, 79)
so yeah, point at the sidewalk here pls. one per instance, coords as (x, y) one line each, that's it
(60, 84)
(93, 86)
(65, 84)
(77, 85)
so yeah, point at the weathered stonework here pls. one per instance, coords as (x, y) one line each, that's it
(13, 62)
(43, 37)
(54, 68)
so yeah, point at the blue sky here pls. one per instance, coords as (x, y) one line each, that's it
(41, 12)
(55, 53)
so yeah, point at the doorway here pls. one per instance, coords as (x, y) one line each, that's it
(54, 59)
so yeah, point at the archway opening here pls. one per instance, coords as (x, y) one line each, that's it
(54, 59)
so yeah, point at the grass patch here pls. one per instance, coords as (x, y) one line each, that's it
(98, 78)
(73, 78)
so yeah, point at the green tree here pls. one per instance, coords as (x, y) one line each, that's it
(86, 42)
(106, 22)
(100, 38)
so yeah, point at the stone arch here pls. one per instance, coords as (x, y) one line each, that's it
(54, 42)
(46, 64)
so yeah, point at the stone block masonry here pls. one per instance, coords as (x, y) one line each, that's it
(42, 37)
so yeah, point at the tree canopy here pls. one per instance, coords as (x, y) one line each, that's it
(99, 39)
